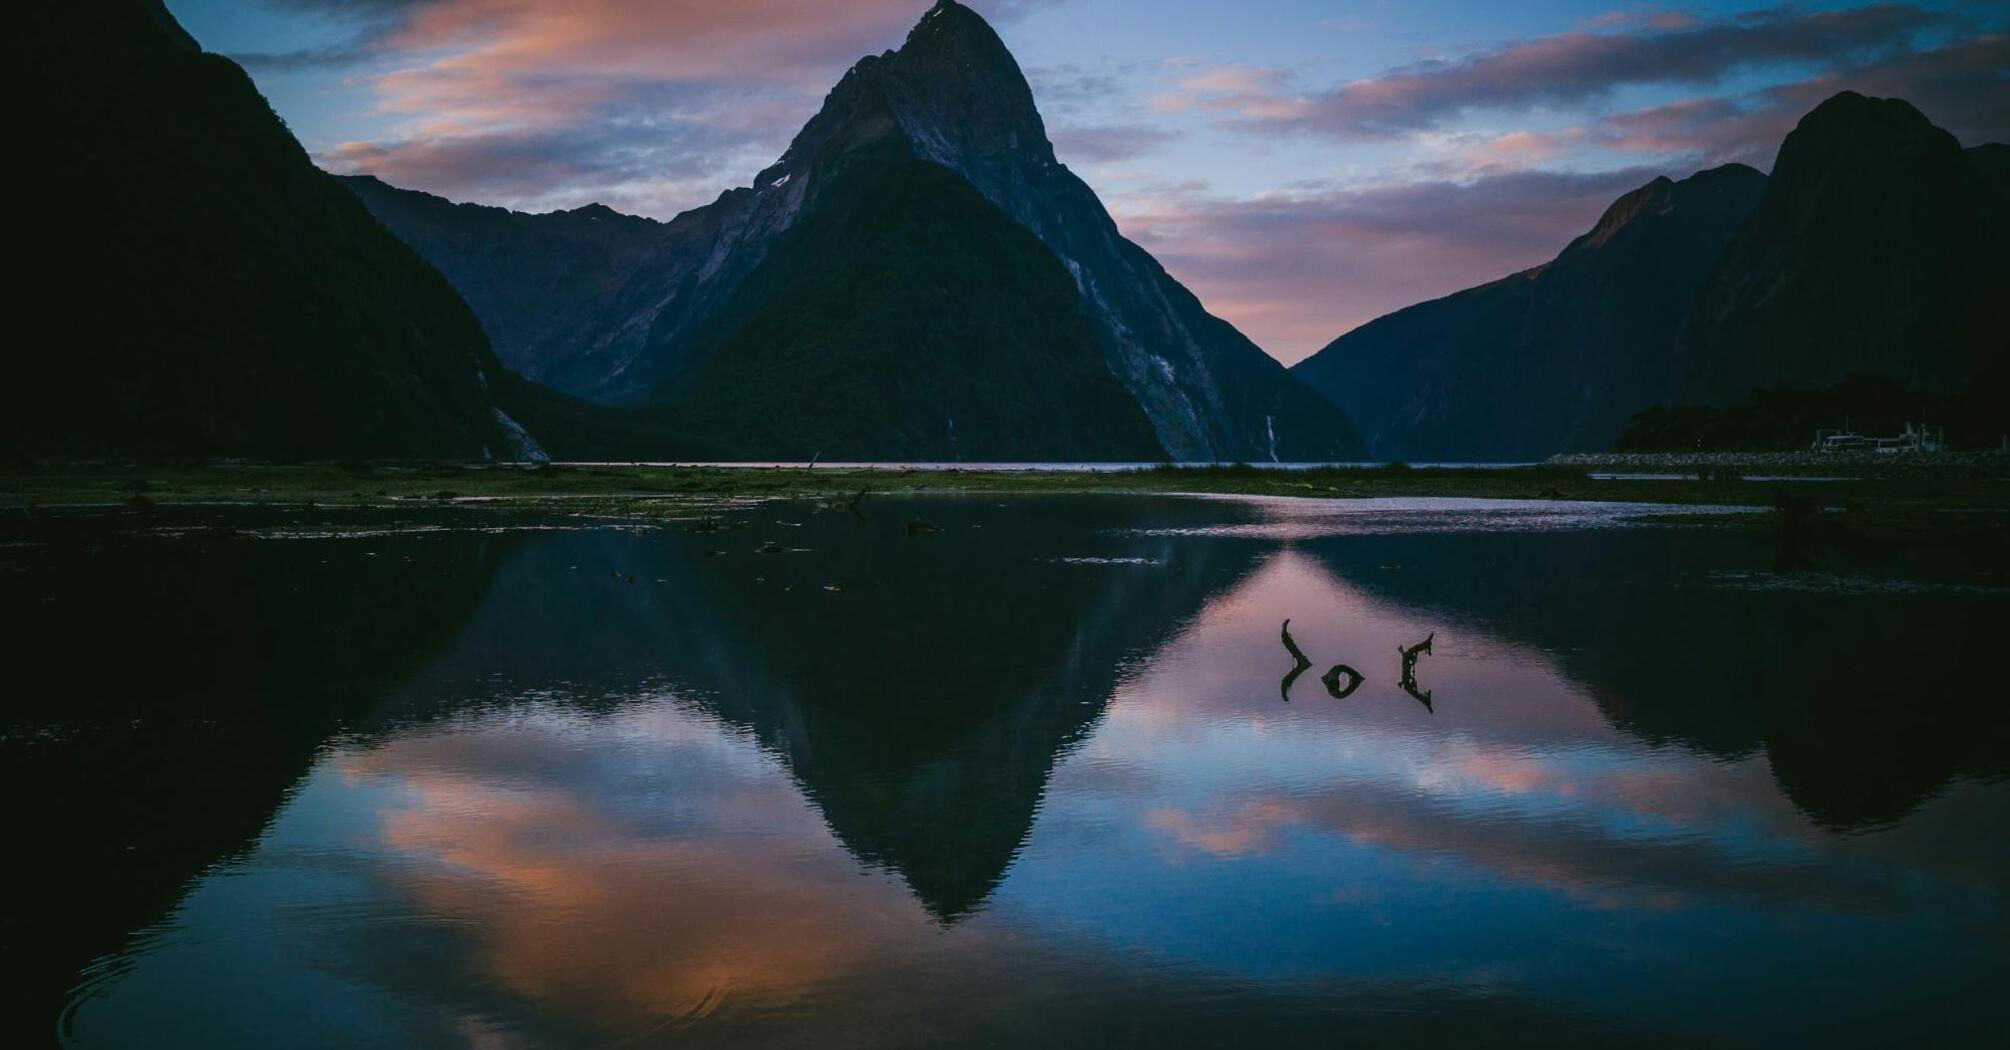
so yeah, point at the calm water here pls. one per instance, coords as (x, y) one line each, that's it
(1031, 780)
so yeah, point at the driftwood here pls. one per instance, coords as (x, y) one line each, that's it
(1411, 652)
(918, 527)
(1299, 664)
(1332, 679)
(1409, 681)
(850, 506)
(1291, 647)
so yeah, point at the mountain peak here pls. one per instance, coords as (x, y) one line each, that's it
(157, 12)
(950, 93)
(948, 20)
(1859, 128)
(1652, 198)
(955, 73)
(1847, 112)
(1861, 141)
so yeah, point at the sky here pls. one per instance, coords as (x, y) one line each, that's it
(1303, 166)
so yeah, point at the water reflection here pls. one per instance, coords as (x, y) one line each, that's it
(1023, 780)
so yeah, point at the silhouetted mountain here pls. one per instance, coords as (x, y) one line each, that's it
(195, 286)
(1551, 359)
(952, 96)
(905, 317)
(1874, 249)
(1877, 248)
(534, 280)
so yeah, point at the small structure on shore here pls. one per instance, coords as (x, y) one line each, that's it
(1916, 437)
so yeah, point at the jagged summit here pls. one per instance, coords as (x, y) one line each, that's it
(951, 93)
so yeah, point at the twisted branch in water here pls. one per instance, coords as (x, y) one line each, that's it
(1409, 682)
(1332, 679)
(1299, 664)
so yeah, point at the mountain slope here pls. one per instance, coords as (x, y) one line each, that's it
(904, 317)
(951, 95)
(534, 280)
(1877, 248)
(1550, 359)
(198, 287)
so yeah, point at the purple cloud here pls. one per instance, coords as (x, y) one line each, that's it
(1963, 87)
(1565, 69)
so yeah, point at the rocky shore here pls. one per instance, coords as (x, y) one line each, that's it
(1861, 463)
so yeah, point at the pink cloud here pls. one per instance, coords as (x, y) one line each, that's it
(1295, 271)
(643, 106)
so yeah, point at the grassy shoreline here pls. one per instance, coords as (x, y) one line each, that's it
(670, 491)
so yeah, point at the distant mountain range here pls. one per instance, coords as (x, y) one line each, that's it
(1875, 248)
(916, 278)
(708, 308)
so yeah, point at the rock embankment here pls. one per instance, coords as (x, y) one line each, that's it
(1991, 464)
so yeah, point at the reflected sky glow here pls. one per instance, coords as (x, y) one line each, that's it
(651, 866)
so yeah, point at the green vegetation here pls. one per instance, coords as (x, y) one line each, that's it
(642, 491)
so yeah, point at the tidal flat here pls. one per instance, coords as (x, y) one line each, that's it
(1965, 503)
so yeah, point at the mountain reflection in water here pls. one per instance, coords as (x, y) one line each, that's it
(1029, 780)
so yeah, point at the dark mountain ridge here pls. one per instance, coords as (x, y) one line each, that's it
(197, 287)
(1877, 249)
(1874, 250)
(1556, 357)
(951, 96)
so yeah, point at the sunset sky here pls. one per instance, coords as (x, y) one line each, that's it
(1303, 166)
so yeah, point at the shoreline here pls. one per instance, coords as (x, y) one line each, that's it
(1854, 464)
(1957, 494)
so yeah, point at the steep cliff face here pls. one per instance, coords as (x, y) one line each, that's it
(959, 98)
(951, 96)
(1551, 359)
(197, 287)
(1878, 248)
(904, 317)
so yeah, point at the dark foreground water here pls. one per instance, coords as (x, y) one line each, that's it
(1031, 780)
